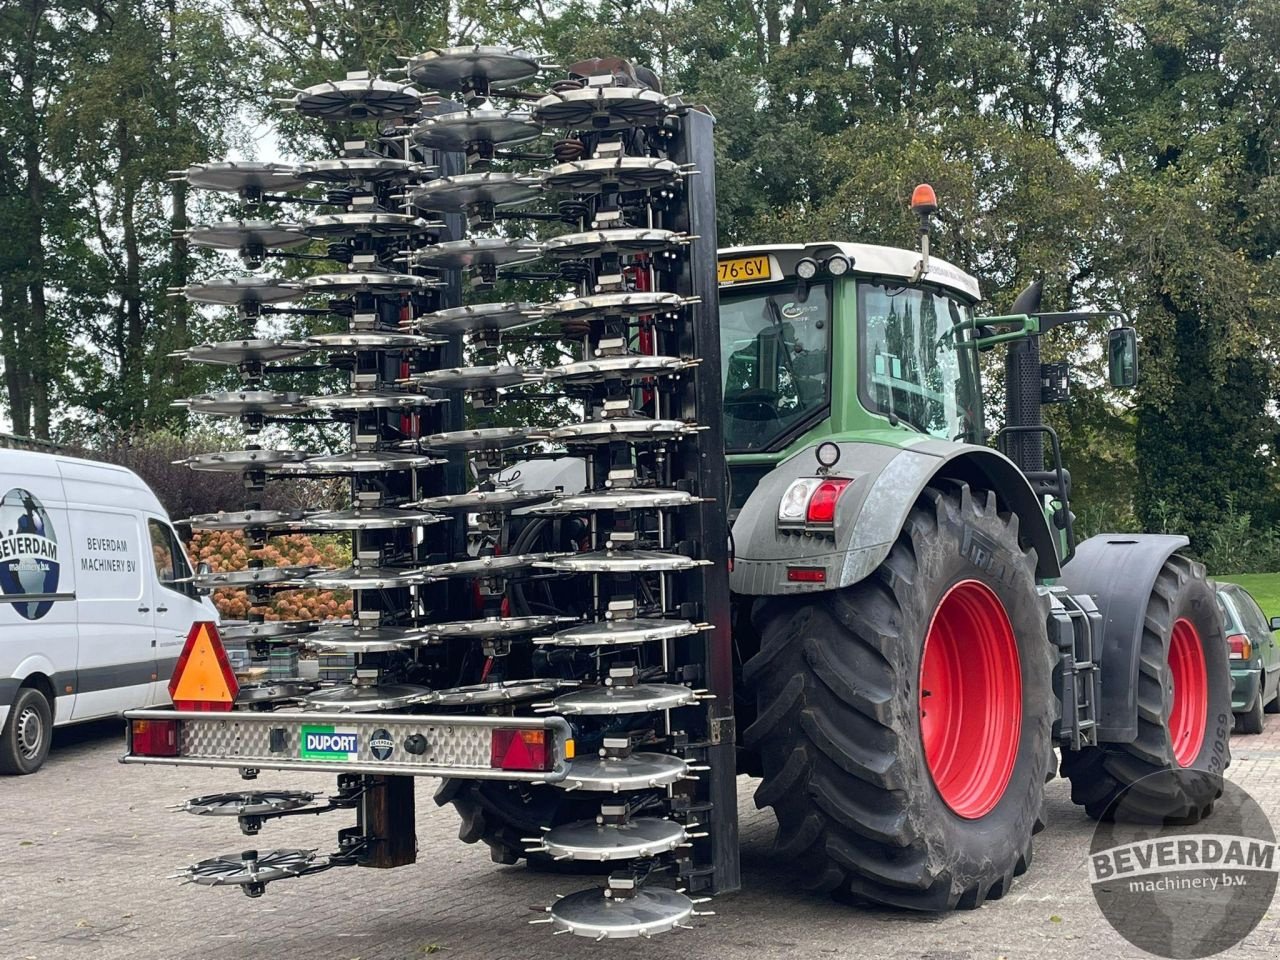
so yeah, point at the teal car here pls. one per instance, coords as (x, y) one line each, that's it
(1255, 658)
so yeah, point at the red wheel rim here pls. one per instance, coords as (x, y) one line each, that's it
(970, 699)
(1188, 715)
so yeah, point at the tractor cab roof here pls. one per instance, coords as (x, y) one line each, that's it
(868, 259)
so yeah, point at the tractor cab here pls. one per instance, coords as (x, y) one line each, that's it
(824, 340)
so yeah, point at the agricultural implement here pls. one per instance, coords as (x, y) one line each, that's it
(688, 514)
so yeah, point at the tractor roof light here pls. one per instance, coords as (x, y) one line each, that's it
(806, 268)
(839, 265)
(924, 201)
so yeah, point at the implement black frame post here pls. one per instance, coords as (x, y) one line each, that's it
(708, 524)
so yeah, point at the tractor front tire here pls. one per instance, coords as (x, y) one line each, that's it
(904, 722)
(1184, 711)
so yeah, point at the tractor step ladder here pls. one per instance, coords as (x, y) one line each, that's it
(1074, 623)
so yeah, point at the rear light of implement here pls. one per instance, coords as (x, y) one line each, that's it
(520, 749)
(154, 738)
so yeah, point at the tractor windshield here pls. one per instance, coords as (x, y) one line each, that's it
(916, 365)
(775, 351)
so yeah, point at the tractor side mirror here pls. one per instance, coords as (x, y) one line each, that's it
(1122, 357)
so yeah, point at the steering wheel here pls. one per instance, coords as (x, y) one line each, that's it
(755, 403)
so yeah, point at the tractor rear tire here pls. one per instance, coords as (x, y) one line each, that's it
(504, 816)
(1181, 619)
(841, 727)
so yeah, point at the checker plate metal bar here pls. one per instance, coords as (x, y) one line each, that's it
(456, 746)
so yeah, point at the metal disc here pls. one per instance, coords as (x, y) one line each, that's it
(236, 352)
(367, 225)
(622, 561)
(241, 291)
(485, 566)
(477, 378)
(490, 627)
(233, 176)
(238, 461)
(231, 403)
(626, 173)
(366, 282)
(478, 318)
(650, 911)
(361, 170)
(476, 252)
(266, 630)
(607, 633)
(350, 639)
(480, 501)
(246, 520)
(457, 131)
(248, 803)
(485, 438)
(252, 577)
(455, 194)
(362, 461)
(622, 428)
(363, 578)
(502, 691)
(458, 68)
(640, 771)
(358, 99)
(614, 305)
(601, 108)
(234, 234)
(250, 867)
(610, 701)
(623, 499)
(370, 400)
(378, 518)
(588, 840)
(270, 691)
(370, 340)
(364, 698)
(626, 240)
(630, 367)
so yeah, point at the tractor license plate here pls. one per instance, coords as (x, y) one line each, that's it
(745, 270)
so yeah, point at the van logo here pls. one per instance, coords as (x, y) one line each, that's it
(328, 743)
(28, 552)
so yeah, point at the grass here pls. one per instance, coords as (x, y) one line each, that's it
(1265, 588)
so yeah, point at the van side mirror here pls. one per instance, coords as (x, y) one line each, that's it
(203, 569)
(1275, 623)
(1122, 357)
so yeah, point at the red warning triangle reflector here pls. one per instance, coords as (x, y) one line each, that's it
(203, 678)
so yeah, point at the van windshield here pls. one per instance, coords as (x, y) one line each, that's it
(775, 363)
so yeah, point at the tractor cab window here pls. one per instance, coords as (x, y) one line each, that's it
(775, 358)
(915, 362)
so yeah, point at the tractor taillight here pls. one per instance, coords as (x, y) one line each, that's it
(520, 749)
(822, 502)
(810, 502)
(1239, 647)
(153, 738)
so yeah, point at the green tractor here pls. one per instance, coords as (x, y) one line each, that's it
(916, 624)
(761, 529)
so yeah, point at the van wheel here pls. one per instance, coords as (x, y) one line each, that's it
(24, 742)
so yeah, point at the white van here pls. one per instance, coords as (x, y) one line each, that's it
(95, 598)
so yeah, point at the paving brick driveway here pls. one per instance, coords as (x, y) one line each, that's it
(85, 846)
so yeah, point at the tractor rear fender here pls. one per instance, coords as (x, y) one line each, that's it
(1119, 570)
(886, 481)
